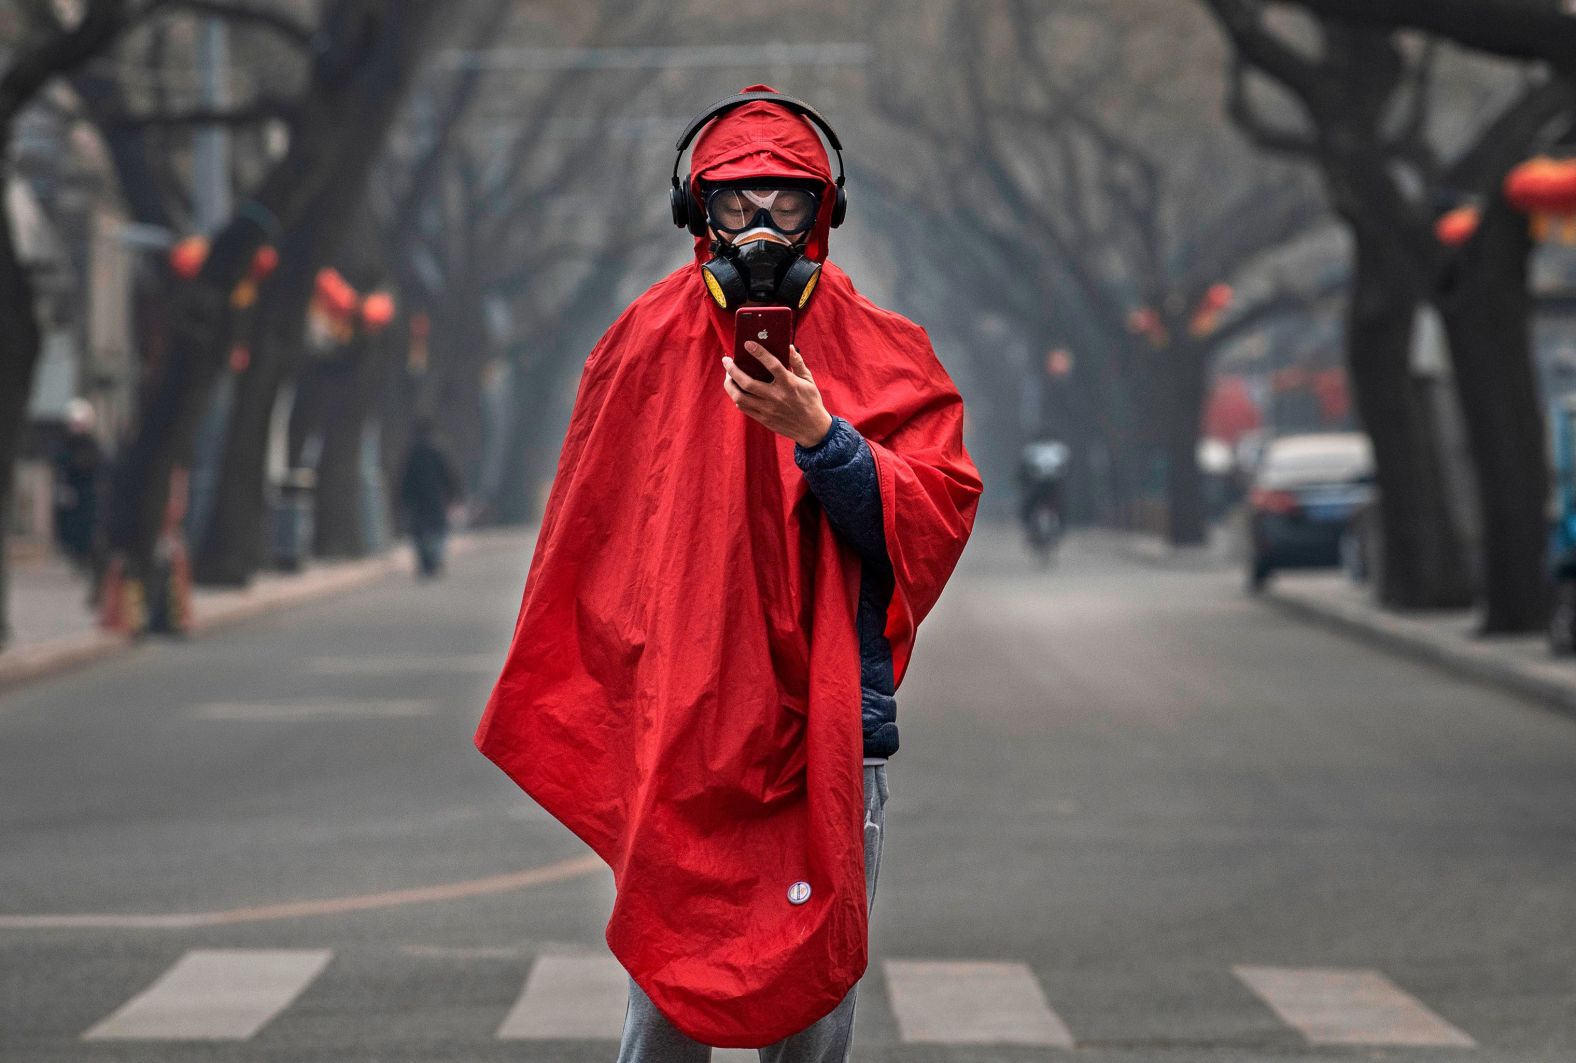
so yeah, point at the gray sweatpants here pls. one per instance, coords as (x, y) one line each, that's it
(650, 1038)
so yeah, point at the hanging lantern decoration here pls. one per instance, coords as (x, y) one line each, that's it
(1058, 362)
(263, 264)
(1544, 188)
(1230, 412)
(335, 294)
(187, 257)
(335, 305)
(1146, 322)
(334, 309)
(1454, 228)
(1335, 401)
(1206, 316)
(377, 312)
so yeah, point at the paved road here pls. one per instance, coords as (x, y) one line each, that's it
(1135, 817)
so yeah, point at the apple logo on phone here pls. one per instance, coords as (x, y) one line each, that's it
(763, 334)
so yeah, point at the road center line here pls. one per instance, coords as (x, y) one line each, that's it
(476, 887)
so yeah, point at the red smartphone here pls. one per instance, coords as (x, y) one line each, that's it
(771, 327)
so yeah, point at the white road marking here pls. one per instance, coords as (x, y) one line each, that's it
(360, 902)
(579, 997)
(572, 997)
(214, 995)
(972, 1002)
(313, 709)
(1349, 1006)
(419, 663)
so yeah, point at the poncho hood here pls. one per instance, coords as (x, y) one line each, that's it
(682, 689)
(763, 139)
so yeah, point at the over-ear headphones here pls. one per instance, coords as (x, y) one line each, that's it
(685, 214)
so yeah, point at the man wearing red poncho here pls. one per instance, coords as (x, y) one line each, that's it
(722, 600)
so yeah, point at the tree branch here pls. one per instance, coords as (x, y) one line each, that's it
(60, 51)
(278, 22)
(1515, 30)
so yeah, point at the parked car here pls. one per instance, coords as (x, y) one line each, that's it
(1303, 496)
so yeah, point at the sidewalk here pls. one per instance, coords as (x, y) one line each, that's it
(1520, 664)
(53, 629)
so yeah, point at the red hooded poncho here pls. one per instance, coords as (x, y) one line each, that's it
(683, 686)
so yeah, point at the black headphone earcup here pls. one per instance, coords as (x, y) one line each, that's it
(678, 199)
(694, 215)
(840, 206)
(798, 284)
(725, 283)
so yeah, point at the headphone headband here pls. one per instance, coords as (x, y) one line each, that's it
(740, 99)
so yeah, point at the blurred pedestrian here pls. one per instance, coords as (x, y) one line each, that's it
(79, 480)
(429, 485)
(723, 598)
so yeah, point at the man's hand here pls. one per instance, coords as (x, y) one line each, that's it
(789, 405)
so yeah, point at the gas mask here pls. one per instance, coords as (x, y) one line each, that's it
(758, 250)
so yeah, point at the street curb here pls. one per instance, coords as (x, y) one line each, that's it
(1552, 684)
(26, 664)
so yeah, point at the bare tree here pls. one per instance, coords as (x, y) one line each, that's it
(365, 54)
(50, 48)
(1388, 181)
(1075, 223)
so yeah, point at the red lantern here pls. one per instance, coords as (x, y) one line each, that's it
(1457, 226)
(1335, 401)
(263, 264)
(1543, 184)
(187, 257)
(335, 295)
(1218, 297)
(377, 311)
(1231, 412)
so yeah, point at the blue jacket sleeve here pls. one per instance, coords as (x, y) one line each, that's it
(841, 472)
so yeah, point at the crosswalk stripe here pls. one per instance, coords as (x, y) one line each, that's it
(581, 998)
(569, 997)
(972, 1002)
(214, 995)
(1349, 1006)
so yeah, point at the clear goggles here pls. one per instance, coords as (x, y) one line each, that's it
(733, 209)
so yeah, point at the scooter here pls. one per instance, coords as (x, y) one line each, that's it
(1043, 526)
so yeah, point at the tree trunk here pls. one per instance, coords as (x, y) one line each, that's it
(346, 393)
(232, 550)
(1421, 563)
(367, 54)
(1186, 523)
(19, 349)
(1486, 307)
